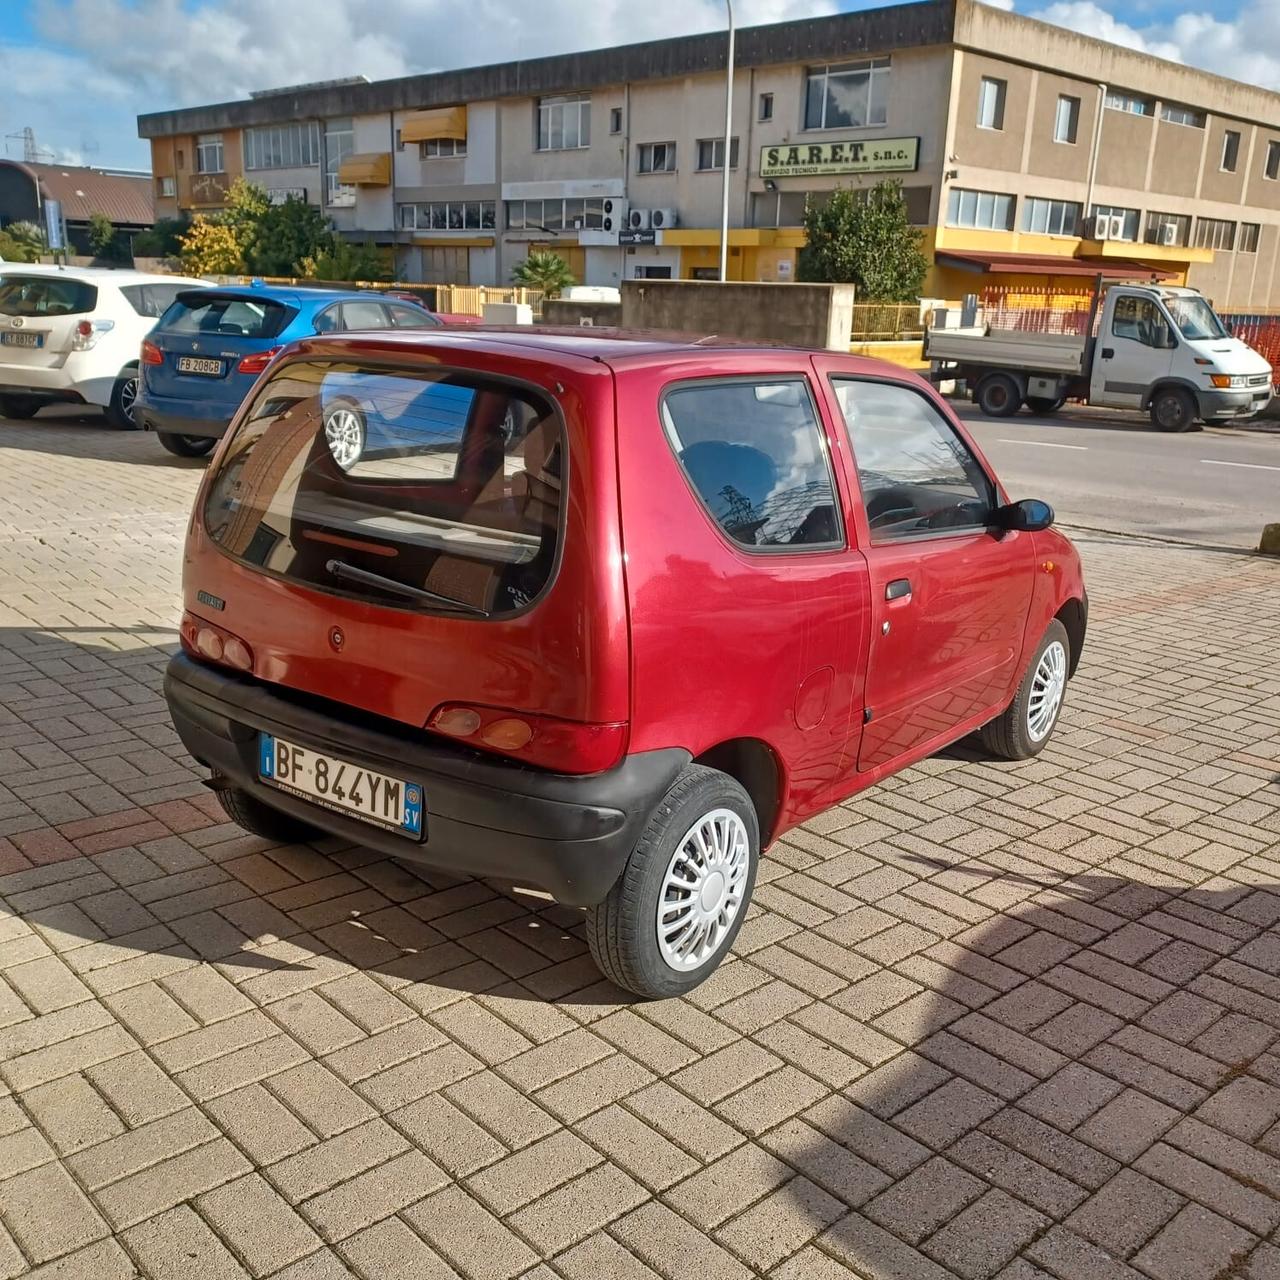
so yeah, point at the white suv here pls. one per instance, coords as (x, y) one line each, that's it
(70, 335)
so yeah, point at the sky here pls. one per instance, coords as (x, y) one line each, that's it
(78, 72)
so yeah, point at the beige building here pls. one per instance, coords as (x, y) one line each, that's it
(1028, 155)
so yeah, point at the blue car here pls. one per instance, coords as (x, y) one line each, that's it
(209, 347)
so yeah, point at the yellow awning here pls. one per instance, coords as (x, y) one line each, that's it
(366, 169)
(443, 122)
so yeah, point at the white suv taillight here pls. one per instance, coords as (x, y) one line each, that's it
(87, 332)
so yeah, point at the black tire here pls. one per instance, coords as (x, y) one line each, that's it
(262, 820)
(1173, 409)
(124, 397)
(623, 930)
(20, 406)
(997, 395)
(1009, 735)
(185, 446)
(1044, 406)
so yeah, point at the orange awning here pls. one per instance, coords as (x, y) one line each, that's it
(366, 169)
(443, 122)
(1038, 264)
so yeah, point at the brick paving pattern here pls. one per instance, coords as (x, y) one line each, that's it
(984, 1021)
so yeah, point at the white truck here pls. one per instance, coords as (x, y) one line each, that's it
(1157, 348)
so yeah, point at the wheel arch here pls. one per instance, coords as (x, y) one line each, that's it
(1073, 617)
(756, 767)
(1169, 384)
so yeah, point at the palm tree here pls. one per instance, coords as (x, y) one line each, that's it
(544, 270)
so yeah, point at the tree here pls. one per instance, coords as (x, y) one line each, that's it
(210, 248)
(544, 270)
(12, 250)
(339, 259)
(30, 235)
(285, 235)
(164, 240)
(247, 206)
(863, 238)
(101, 235)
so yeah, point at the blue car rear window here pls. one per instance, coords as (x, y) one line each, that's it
(228, 317)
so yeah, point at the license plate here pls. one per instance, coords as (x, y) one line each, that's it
(195, 364)
(22, 339)
(342, 786)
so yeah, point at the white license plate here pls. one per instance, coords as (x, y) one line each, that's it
(22, 339)
(340, 785)
(194, 364)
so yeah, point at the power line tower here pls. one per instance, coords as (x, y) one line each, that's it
(31, 153)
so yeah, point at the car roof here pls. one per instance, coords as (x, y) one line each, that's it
(99, 275)
(294, 297)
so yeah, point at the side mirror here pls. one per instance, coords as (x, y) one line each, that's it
(1030, 515)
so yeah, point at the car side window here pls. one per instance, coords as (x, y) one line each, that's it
(363, 315)
(1140, 320)
(408, 318)
(328, 320)
(754, 453)
(918, 478)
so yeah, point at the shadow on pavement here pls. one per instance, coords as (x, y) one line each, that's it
(85, 434)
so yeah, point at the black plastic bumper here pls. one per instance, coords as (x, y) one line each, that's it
(165, 423)
(570, 836)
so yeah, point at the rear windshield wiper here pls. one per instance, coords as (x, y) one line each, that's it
(349, 572)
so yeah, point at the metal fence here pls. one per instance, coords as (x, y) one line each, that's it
(886, 322)
(455, 299)
(1261, 332)
(1031, 310)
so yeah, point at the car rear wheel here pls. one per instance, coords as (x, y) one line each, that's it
(344, 432)
(683, 895)
(1044, 406)
(185, 446)
(1173, 409)
(124, 401)
(998, 396)
(19, 406)
(261, 819)
(1029, 720)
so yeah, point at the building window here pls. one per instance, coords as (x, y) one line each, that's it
(283, 146)
(1066, 123)
(339, 143)
(1131, 103)
(711, 153)
(991, 103)
(981, 210)
(442, 148)
(564, 123)
(766, 106)
(1272, 170)
(1230, 151)
(656, 157)
(168, 187)
(848, 95)
(1050, 217)
(615, 119)
(399, 141)
(1168, 228)
(209, 153)
(448, 215)
(1172, 113)
(556, 215)
(1215, 233)
(1122, 223)
(1249, 237)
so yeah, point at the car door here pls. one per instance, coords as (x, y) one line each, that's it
(949, 595)
(1133, 351)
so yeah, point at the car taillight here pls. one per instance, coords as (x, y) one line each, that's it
(151, 354)
(258, 361)
(202, 639)
(87, 332)
(566, 746)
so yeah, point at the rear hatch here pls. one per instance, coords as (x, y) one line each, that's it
(39, 316)
(401, 539)
(204, 337)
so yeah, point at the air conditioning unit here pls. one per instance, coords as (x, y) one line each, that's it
(1108, 226)
(615, 214)
(665, 218)
(640, 219)
(1168, 233)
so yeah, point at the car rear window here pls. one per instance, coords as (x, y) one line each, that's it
(46, 296)
(232, 317)
(152, 299)
(433, 490)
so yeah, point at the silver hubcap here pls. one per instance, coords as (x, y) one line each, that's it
(129, 397)
(345, 437)
(1047, 687)
(702, 890)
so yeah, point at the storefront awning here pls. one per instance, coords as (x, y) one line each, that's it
(366, 169)
(1044, 264)
(443, 122)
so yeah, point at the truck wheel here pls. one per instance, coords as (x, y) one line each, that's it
(998, 396)
(1045, 407)
(185, 446)
(1173, 409)
(1028, 722)
(683, 895)
(124, 399)
(19, 407)
(262, 820)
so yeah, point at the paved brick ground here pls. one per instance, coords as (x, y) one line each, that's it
(985, 1021)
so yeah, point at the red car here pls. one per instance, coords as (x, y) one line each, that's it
(605, 615)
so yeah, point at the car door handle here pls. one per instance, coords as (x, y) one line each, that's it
(1108, 353)
(898, 589)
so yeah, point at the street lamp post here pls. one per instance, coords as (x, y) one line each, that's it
(728, 147)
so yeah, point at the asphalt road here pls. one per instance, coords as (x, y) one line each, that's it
(1217, 486)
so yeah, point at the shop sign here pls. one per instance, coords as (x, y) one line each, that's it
(848, 155)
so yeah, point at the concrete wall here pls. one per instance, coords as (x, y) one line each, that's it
(804, 315)
(572, 314)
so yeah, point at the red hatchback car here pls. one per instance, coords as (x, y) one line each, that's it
(604, 615)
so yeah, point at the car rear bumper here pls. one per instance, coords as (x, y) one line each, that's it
(569, 836)
(156, 415)
(10, 385)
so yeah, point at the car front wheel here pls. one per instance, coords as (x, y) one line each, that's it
(683, 895)
(1173, 409)
(1030, 719)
